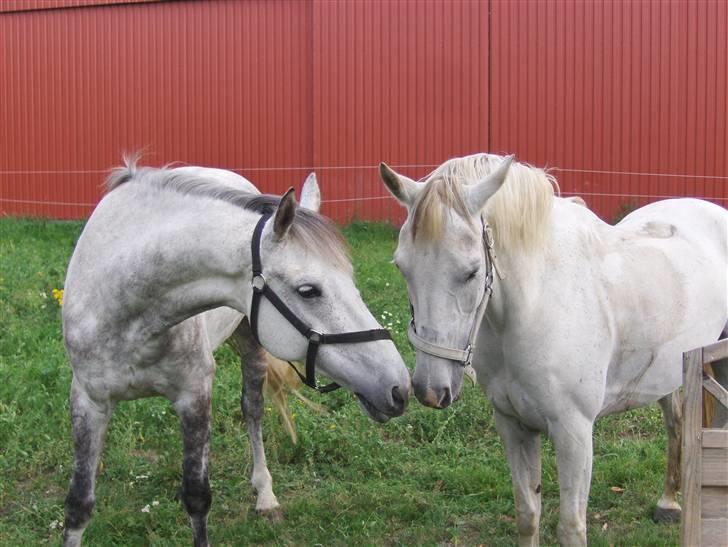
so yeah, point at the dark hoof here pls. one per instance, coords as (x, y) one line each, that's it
(663, 515)
(273, 516)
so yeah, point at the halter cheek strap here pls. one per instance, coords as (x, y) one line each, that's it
(315, 338)
(462, 356)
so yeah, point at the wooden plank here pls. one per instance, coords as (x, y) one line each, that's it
(715, 389)
(715, 467)
(715, 502)
(715, 352)
(715, 533)
(715, 438)
(691, 449)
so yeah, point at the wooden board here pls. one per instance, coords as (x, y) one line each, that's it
(715, 502)
(715, 533)
(715, 438)
(715, 467)
(716, 390)
(715, 352)
(691, 464)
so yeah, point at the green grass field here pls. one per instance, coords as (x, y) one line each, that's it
(429, 477)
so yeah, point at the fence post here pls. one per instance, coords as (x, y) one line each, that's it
(691, 447)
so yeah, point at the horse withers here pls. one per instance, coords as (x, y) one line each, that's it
(580, 319)
(163, 273)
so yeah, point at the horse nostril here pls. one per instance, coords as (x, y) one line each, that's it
(446, 398)
(398, 399)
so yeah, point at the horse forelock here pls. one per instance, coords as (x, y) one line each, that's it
(519, 212)
(440, 197)
(313, 231)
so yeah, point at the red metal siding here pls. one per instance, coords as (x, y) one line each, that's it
(626, 100)
(210, 83)
(403, 82)
(31, 5)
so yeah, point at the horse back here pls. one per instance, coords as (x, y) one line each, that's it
(666, 274)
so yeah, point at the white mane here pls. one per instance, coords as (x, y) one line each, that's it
(519, 212)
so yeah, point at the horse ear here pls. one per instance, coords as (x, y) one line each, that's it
(403, 189)
(310, 194)
(285, 214)
(480, 192)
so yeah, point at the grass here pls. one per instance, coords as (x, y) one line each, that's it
(429, 477)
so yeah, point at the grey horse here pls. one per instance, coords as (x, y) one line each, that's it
(161, 275)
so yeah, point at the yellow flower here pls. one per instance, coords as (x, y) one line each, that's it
(58, 295)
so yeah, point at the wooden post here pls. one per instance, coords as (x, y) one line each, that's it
(692, 446)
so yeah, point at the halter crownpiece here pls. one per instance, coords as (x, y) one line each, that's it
(462, 356)
(315, 338)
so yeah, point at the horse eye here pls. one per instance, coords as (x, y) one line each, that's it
(472, 275)
(308, 291)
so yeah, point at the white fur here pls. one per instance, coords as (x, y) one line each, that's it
(589, 320)
(160, 278)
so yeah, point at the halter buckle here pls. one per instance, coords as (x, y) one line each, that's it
(468, 356)
(258, 282)
(314, 336)
(488, 236)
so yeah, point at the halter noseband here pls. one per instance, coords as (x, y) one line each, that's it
(315, 338)
(463, 356)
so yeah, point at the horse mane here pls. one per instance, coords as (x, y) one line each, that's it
(314, 231)
(518, 212)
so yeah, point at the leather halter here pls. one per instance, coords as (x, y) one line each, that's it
(315, 338)
(462, 356)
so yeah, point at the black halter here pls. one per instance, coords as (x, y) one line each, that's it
(315, 338)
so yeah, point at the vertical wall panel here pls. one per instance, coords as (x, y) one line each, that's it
(634, 106)
(627, 101)
(221, 83)
(401, 81)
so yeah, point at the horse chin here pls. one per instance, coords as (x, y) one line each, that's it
(370, 410)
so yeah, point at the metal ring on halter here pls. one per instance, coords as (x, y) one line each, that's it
(258, 282)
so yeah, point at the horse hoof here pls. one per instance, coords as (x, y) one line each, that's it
(273, 516)
(666, 515)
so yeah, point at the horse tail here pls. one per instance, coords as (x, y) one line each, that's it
(280, 380)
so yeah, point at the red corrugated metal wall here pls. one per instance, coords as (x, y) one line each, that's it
(402, 82)
(210, 83)
(627, 100)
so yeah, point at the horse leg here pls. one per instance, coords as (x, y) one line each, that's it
(254, 369)
(194, 413)
(523, 449)
(574, 453)
(668, 509)
(89, 420)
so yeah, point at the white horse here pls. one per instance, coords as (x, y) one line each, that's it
(585, 319)
(162, 274)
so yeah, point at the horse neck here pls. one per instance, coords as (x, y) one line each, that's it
(195, 261)
(519, 290)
